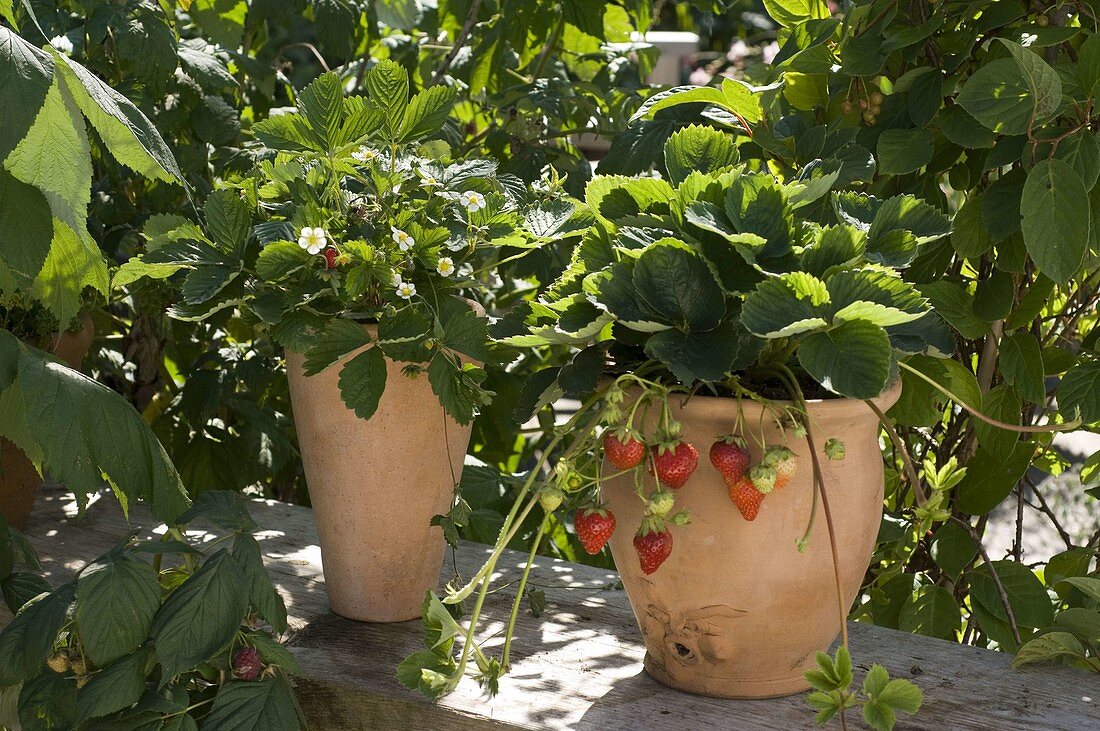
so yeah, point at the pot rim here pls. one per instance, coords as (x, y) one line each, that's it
(838, 407)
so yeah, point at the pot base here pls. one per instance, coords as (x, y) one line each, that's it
(733, 688)
(387, 616)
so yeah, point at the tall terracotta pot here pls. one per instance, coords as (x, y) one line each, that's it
(19, 480)
(375, 485)
(736, 611)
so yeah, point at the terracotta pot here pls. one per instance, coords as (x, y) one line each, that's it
(375, 485)
(736, 611)
(19, 480)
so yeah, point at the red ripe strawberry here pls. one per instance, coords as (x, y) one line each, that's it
(594, 528)
(653, 548)
(623, 450)
(330, 255)
(784, 463)
(246, 663)
(746, 497)
(730, 457)
(675, 463)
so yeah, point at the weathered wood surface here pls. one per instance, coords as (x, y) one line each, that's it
(578, 666)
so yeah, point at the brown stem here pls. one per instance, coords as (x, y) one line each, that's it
(1033, 429)
(471, 19)
(906, 458)
(993, 575)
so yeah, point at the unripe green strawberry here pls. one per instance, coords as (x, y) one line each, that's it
(763, 477)
(550, 498)
(783, 461)
(834, 449)
(660, 503)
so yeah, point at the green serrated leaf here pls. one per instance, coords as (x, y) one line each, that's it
(201, 616)
(117, 598)
(25, 76)
(257, 705)
(427, 112)
(697, 148)
(787, 305)
(362, 381)
(68, 407)
(1080, 389)
(388, 87)
(115, 687)
(322, 103)
(341, 336)
(27, 640)
(853, 359)
(279, 259)
(265, 600)
(127, 133)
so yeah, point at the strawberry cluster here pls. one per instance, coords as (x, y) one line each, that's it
(747, 484)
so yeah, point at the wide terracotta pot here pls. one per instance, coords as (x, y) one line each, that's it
(375, 485)
(736, 611)
(19, 480)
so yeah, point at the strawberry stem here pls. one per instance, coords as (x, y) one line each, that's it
(800, 401)
(504, 662)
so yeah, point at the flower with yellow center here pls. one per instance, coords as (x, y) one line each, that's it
(402, 239)
(312, 239)
(472, 200)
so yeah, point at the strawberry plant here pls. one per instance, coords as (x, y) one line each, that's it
(353, 215)
(719, 280)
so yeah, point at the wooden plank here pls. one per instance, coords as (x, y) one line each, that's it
(578, 665)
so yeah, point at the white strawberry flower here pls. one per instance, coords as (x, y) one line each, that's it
(472, 200)
(406, 290)
(402, 239)
(397, 280)
(446, 266)
(312, 239)
(365, 155)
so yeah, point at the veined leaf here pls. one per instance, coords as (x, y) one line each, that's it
(28, 639)
(54, 157)
(127, 133)
(426, 112)
(697, 148)
(852, 359)
(201, 616)
(117, 598)
(258, 705)
(25, 75)
(340, 337)
(362, 381)
(787, 305)
(322, 103)
(677, 287)
(26, 230)
(286, 132)
(388, 86)
(70, 413)
(1055, 219)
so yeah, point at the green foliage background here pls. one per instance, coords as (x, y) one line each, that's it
(985, 109)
